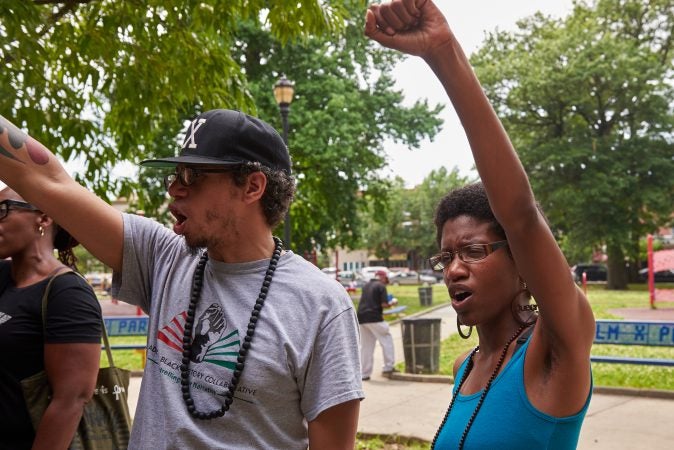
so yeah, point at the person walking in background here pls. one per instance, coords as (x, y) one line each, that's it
(373, 300)
(496, 251)
(69, 348)
(250, 346)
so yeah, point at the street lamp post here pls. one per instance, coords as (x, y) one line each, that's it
(283, 93)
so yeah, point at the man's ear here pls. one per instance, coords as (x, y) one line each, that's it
(255, 187)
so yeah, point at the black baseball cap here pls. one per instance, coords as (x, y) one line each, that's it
(228, 137)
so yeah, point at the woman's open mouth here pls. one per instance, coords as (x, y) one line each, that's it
(461, 296)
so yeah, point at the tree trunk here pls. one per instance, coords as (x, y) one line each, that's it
(635, 264)
(617, 276)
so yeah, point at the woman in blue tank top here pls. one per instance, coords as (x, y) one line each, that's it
(527, 385)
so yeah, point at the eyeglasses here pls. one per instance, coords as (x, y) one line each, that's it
(6, 205)
(188, 175)
(468, 254)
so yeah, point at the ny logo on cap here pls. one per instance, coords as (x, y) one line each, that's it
(190, 141)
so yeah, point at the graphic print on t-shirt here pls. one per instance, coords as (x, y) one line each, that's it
(208, 331)
(210, 344)
(214, 353)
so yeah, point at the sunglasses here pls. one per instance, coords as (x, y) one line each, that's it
(187, 176)
(468, 254)
(6, 205)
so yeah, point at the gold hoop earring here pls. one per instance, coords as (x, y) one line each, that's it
(458, 327)
(41, 230)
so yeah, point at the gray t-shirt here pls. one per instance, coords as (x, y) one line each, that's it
(304, 356)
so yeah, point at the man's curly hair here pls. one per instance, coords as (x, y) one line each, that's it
(277, 196)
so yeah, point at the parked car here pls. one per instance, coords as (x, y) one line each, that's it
(439, 276)
(410, 277)
(594, 272)
(662, 276)
(329, 271)
(99, 280)
(349, 278)
(367, 273)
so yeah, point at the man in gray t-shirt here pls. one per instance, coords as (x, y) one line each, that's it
(249, 346)
(301, 361)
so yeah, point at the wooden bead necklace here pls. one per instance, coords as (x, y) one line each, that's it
(197, 283)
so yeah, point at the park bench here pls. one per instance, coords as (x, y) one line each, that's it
(395, 311)
(623, 332)
(128, 326)
(137, 326)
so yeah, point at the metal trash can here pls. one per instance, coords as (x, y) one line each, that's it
(426, 295)
(421, 344)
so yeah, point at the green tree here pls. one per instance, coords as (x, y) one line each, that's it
(112, 80)
(112, 64)
(86, 262)
(587, 102)
(405, 223)
(422, 235)
(345, 107)
(385, 222)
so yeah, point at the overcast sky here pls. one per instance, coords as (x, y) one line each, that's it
(470, 21)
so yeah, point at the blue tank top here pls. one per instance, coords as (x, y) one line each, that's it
(507, 420)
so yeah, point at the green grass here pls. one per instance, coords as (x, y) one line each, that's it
(389, 442)
(613, 375)
(602, 301)
(623, 375)
(126, 359)
(406, 295)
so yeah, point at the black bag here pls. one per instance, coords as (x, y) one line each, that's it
(105, 423)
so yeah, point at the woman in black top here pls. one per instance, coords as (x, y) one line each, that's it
(68, 349)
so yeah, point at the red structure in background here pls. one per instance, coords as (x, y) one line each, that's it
(651, 278)
(658, 261)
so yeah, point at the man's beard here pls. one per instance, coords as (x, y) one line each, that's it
(196, 244)
(194, 248)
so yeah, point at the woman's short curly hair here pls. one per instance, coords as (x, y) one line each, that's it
(470, 200)
(277, 196)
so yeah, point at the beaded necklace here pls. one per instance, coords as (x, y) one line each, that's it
(469, 367)
(197, 283)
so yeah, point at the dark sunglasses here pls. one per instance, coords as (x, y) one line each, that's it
(187, 176)
(468, 254)
(6, 205)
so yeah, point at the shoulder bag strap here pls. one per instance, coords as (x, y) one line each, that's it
(45, 299)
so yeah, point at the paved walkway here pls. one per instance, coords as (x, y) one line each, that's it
(415, 409)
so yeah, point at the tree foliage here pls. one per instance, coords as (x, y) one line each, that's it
(104, 81)
(424, 200)
(405, 224)
(108, 80)
(587, 102)
(385, 223)
(345, 107)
